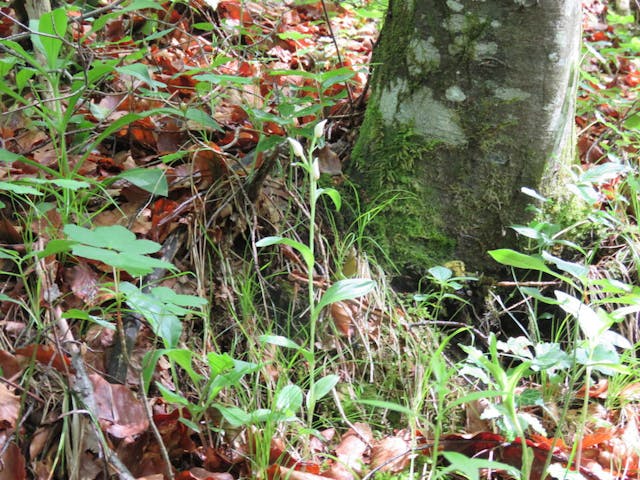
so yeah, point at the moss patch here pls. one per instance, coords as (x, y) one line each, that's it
(387, 161)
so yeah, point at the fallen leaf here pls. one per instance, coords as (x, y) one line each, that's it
(391, 454)
(47, 356)
(12, 463)
(120, 413)
(9, 408)
(350, 453)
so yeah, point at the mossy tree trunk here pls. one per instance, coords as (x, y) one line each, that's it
(471, 100)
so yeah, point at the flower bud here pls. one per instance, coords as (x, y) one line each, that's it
(297, 148)
(318, 130)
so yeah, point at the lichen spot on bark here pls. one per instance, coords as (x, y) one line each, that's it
(436, 121)
(422, 56)
(455, 6)
(455, 94)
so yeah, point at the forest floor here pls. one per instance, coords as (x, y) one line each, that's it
(180, 298)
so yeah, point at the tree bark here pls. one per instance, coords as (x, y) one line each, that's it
(471, 100)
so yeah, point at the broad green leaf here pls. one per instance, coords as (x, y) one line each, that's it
(164, 324)
(149, 363)
(537, 295)
(633, 122)
(6, 65)
(609, 337)
(17, 50)
(345, 290)
(297, 73)
(527, 232)
(322, 387)
(224, 79)
(603, 173)
(192, 425)
(172, 397)
(7, 156)
(200, 117)
(234, 415)
(338, 75)
(19, 189)
(65, 183)
(575, 269)
(591, 325)
(293, 35)
(289, 400)
(279, 341)
(141, 72)
(76, 314)
(53, 26)
(184, 358)
(533, 194)
(550, 357)
(115, 237)
(470, 467)
(261, 415)
(152, 180)
(219, 363)
(511, 258)
(440, 274)
(167, 295)
(602, 358)
(300, 247)
(268, 142)
(331, 193)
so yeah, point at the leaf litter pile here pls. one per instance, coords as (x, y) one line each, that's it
(170, 145)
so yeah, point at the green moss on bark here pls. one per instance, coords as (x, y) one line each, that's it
(410, 230)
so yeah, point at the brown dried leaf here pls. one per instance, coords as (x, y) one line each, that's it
(390, 454)
(9, 407)
(197, 473)
(342, 318)
(9, 365)
(350, 452)
(39, 441)
(329, 161)
(474, 422)
(120, 413)
(85, 283)
(12, 461)
(292, 474)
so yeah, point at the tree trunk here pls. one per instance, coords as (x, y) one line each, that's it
(471, 100)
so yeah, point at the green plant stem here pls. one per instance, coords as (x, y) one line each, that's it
(314, 313)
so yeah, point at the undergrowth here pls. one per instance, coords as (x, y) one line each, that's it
(213, 275)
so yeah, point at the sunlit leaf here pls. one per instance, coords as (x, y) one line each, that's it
(300, 247)
(345, 290)
(511, 258)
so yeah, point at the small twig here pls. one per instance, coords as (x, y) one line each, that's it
(336, 397)
(335, 44)
(20, 388)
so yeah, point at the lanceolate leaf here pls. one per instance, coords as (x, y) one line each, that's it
(511, 258)
(322, 387)
(300, 247)
(345, 290)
